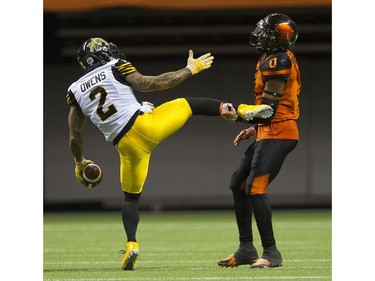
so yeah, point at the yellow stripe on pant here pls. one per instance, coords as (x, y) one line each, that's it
(149, 129)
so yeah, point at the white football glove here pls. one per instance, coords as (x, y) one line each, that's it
(147, 107)
(245, 135)
(197, 65)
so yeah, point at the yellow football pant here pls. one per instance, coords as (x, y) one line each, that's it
(148, 131)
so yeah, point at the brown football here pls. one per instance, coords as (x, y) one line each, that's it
(92, 173)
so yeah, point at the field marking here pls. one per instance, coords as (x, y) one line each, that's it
(300, 278)
(184, 262)
(176, 261)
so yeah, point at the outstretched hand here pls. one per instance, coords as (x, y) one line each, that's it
(197, 65)
(244, 135)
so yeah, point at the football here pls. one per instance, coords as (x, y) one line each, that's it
(92, 173)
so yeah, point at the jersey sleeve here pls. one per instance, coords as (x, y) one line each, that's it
(276, 66)
(122, 69)
(71, 100)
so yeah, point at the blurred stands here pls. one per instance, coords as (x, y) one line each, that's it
(149, 33)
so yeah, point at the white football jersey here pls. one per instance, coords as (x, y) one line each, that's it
(104, 96)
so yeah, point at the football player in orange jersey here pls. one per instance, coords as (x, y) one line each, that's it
(277, 83)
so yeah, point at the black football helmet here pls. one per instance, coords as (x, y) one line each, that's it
(95, 52)
(276, 32)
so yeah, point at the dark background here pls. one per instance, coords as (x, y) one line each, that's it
(191, 169)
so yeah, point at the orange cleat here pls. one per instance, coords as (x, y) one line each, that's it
(264, 263)
(230, 261)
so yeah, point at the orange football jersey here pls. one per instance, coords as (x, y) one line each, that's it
(282, 65)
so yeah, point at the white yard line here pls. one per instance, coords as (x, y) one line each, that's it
(299, 278)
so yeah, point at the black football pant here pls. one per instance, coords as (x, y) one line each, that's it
(261, 158)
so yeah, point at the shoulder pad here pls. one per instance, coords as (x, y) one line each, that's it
(277, 65)
(276, 61)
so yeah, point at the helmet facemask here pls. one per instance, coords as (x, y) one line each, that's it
(262, 38)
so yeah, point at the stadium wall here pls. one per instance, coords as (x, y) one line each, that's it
(192, 168)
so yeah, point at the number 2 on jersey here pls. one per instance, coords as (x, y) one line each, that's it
(103, 114)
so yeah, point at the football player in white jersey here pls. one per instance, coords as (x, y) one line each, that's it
(105, 95)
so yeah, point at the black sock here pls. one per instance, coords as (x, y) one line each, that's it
(204, 106)
(263, 217)
(243, 211)
(130, 215)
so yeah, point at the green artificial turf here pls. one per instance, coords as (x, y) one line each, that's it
(182, 246)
